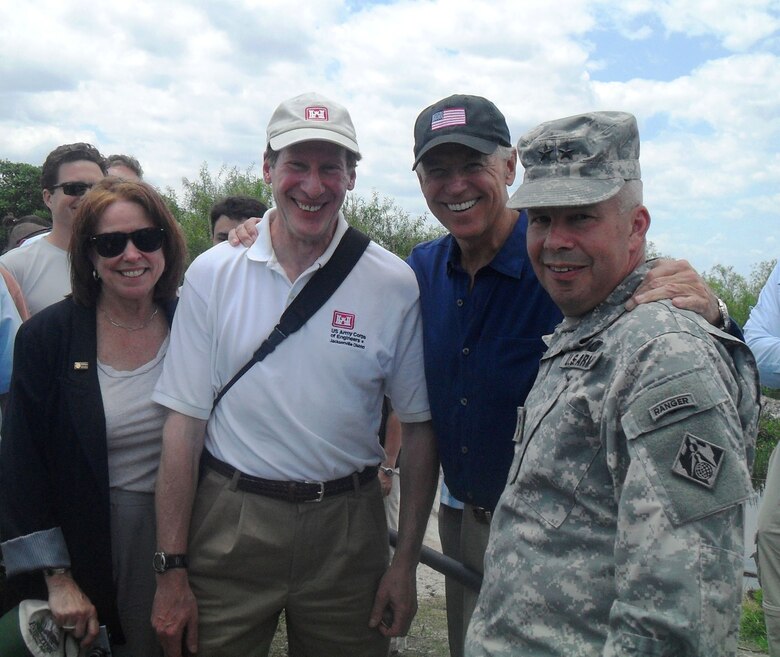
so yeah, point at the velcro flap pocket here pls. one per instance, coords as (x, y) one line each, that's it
(687, 435)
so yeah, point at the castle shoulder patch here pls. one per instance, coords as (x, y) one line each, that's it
(698, 460)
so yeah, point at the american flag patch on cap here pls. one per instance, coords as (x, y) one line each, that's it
(448, 117)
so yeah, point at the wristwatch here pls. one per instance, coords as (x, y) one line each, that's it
(163, 561)
(389, 472)
(50, 572)
(725, 320)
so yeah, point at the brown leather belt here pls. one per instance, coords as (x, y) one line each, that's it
(290, 491)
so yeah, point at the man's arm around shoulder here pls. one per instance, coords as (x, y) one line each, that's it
(420, 469)
(175, 610)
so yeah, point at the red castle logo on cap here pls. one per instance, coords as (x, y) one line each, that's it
(316, 113)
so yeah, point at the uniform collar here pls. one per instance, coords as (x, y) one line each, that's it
(576, 332)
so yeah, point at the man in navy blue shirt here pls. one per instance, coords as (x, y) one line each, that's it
(484, 315)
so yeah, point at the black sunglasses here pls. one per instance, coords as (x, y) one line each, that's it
(110, 245)
(74, 188)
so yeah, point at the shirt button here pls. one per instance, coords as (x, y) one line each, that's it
(464, 449)
(465, 351)
(459, 302)
(463, 401)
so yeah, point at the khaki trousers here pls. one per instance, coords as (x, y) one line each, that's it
(252, 557)
(465, 538)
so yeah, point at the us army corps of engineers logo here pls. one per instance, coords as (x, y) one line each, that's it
(343, 331)
(698, 460)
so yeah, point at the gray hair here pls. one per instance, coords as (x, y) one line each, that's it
(629, 196)
(126, 160)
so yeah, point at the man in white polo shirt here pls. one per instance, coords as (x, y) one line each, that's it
(234, 551)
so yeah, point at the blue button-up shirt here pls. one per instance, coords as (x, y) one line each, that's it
(482, 351)
(762, 331)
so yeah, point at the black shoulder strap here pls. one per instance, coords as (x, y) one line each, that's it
(310, 299)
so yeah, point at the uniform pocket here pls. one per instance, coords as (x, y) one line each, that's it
(721, 592)
(557, 457)
(688, 438)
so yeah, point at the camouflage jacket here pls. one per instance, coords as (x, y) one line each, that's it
(620, 530)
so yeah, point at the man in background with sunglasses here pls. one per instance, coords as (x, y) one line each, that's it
(42, 269)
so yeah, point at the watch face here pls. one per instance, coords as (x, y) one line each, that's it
(164, 562)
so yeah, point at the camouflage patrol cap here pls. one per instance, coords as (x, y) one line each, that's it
(578, 160)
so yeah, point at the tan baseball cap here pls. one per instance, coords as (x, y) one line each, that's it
(311, 117)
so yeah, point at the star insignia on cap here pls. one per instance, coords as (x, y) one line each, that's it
(565, 153)
(545, 153)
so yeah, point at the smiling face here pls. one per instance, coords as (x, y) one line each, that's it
(580, 254)
(132, 274)
(310, 181)
(466, 190)
(63, 207)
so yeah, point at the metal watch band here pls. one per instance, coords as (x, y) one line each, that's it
(725, 320)
(389, 472)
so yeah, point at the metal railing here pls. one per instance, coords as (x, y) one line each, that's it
(464, 575)
(447, 566)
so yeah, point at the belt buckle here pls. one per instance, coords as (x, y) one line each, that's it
(320, 494)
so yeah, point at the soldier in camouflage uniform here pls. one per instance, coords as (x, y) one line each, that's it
(620, 530)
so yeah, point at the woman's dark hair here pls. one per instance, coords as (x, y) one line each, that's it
(86, 289)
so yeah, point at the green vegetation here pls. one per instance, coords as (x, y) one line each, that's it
(387, 224)
(20, 193)
(199, 194)
(739, 293)
(752, 631)
(381, 219)
(20, 190)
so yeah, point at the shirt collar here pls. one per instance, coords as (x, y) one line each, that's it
(511, 258)
(263, 249)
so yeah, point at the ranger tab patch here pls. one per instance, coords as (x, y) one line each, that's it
(698, 460)
(671, 404)
(580, 360)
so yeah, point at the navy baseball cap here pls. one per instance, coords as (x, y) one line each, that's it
(472, 121)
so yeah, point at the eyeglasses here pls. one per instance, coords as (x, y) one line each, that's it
(74, 188)
(110, 245)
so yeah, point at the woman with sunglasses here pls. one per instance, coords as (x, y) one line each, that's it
(81, 436)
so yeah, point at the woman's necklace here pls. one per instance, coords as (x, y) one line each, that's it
(131, 328)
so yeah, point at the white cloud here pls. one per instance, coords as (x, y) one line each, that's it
(178, 83)
(736, 25)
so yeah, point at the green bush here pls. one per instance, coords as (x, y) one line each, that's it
(752, 631)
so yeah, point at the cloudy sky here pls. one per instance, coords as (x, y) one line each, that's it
(178, 83)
